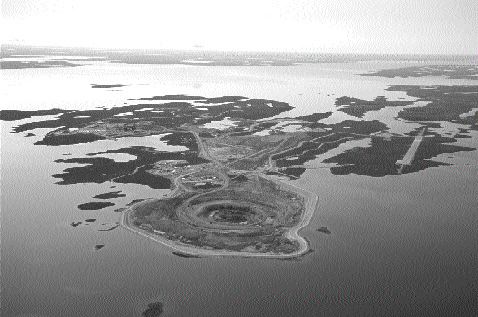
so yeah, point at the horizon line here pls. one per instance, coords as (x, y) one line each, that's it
(212, 50)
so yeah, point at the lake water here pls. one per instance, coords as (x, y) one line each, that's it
(400, 245)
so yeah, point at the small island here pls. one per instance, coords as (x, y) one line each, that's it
(107, 86)
(110, 195)
(95, 205)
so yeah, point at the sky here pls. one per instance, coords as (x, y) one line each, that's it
(332, 26)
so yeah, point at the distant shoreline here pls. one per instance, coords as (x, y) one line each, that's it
(29, 56)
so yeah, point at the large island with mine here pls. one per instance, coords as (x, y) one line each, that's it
(216, 209)
(227, 196)
(230, 194)
(226, 204)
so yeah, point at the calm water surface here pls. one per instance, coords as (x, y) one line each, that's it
(400, 245)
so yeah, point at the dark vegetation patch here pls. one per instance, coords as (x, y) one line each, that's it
(315, 116)
(142, 177)
(95, 205)
(181, 139)
(223, 99)
(358, 127)
(447, 103)
(35, 64)
(99, 124)
(289, 161)
(380, 158)
(450, 71)
(12, 115)
(67, 139)
(100, 169)
(358, 107)
(433, 125)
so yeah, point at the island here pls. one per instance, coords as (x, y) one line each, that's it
(95, 205)
(110, 195)
(107, 85)
(469, 71)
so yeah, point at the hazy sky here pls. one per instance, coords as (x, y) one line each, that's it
(365, 26)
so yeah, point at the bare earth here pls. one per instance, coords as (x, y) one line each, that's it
(228, 207)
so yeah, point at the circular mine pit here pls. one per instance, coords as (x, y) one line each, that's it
(229, 213)
(226, 215)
